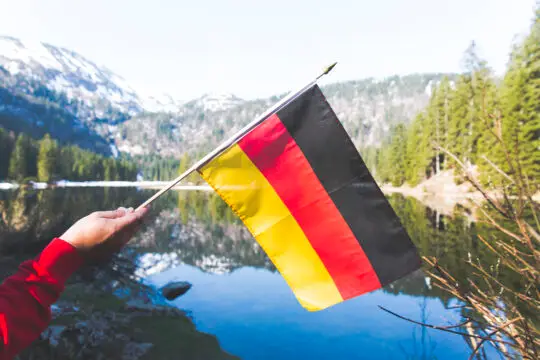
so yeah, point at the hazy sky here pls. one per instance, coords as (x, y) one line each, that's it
(257, 48)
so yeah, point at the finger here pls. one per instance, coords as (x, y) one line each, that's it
(113, 214)
(129, 218)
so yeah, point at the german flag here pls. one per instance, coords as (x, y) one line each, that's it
(301, 188)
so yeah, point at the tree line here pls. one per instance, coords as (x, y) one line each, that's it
(462, 118)
(157, 168)
(23, 159)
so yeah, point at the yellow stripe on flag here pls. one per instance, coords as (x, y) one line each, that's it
(238, 181)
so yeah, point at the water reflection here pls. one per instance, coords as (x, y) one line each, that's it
(237, 294)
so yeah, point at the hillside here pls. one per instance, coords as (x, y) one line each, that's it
(48, 89)
(367, 108)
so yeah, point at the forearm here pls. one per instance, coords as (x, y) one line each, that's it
(26, 297)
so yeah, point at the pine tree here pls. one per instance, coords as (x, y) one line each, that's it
(20, 162)
(484, 105)
(458, 123)
(488, 148)
(369, 155)
(431, 135)
(65, 163)
(384, 163)
(424, 148)
(413, 171)
(471, 100)
(6, 146)
(443, 115)
(446, 93)
(397, 155)
(521, 104)
(47, 159)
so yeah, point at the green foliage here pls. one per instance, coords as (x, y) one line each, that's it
(369, 155)
(157, 168)
(23, 159)
(45, 161)
(521, 104)
(464, 116)
(413, 158)
(6, 147)
(186, 161)
(383, 163)
(397, 159)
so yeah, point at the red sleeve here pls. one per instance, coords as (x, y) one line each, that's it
(26, 297)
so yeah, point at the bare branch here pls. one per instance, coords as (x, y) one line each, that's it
(444, 328)
(490, 335)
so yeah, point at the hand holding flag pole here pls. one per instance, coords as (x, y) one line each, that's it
(236, 137)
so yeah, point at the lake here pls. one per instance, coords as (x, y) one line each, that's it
(239, 306)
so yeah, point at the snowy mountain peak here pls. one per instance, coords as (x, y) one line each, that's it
(65, 71)
(68, 72)
(217, 101)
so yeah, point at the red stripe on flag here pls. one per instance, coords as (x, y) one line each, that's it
(275, 153)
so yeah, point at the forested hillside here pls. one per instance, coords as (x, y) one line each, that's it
(464, 117)
(368, 108)
(40, 111)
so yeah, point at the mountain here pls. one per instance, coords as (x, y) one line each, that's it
(367, 108)
(65, 71)
(162, 102)
(48, 89)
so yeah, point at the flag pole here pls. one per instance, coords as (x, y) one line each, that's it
(236, 137)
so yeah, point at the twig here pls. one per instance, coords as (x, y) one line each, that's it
(493, 202)
(490, 335)
(498, 169)
(444, 328)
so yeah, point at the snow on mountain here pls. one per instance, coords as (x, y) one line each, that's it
(216, 102)
(66, 71)
(161, 103)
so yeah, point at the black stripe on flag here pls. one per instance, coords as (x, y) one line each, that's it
(335, 160)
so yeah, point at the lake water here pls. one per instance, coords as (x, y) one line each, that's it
(239, 306)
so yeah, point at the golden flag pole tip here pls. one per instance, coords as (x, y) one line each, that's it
(327, 70)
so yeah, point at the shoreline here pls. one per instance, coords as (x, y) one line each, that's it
(118, 184)
(441, 193)
(443, 202)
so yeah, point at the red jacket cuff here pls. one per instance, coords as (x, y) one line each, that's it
(60, 259)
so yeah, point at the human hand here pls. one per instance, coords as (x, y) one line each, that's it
(103, 233)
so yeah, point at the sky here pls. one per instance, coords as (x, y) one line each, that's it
(256, 48)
